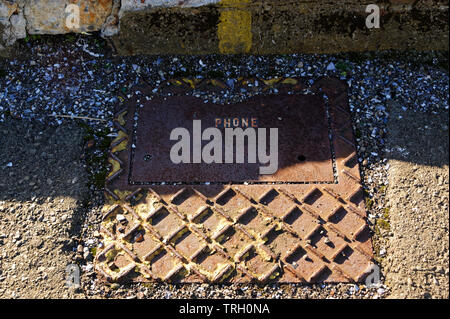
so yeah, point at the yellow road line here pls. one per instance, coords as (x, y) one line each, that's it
(235, 27)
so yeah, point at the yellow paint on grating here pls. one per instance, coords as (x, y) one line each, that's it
(235, 27)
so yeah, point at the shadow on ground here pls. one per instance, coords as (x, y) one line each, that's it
(40, 162)
(420, 138)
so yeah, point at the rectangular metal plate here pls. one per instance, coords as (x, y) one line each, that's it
(298, 228)
(304, 148)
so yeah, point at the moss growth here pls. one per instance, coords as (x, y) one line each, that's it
(386, 213)
(383, 224)
(343, 66)
(32, 37)
(147, 285)
(110, 255)
(369, 203)
(97, 161)
(214, 74)
(70, 38)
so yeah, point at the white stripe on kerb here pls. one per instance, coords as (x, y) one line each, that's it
(133, 5)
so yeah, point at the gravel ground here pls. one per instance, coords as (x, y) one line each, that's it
(41, 202)
(416, 261)
(78, 77)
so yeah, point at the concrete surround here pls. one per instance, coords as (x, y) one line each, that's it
(234, 26)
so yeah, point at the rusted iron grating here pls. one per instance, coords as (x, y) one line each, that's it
(307, 230)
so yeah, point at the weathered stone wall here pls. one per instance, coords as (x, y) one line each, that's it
(49, 16)
(21, 17)
(235, 26)
(12, 23)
